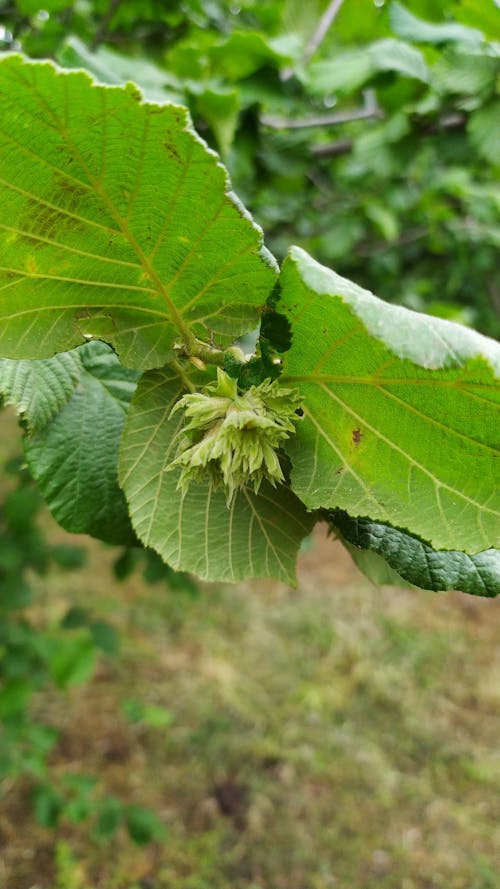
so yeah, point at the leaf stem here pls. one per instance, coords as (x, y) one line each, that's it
(193, 348)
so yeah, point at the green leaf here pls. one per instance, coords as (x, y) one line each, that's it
(39, 389)
(394, 55)
(417, 562)
(220, 108)
(407, 25)
(111, 812)
(484, 131)
(244, 52)
(350, 69)
(67, 556)
(14, 696)
(374, 567)
(72, 661)
(345, 72)
(48, 805)
(258, 536)
(144, 825)
(477, 13)
(465, 73)
(116, 222)
(76, 404)
(31, 7)
(402, 411)
(105, 637)
(108, 66)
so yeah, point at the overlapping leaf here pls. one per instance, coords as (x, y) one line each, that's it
(40, 389)
(417, 563)
(115, 222)
(257, 536)
(402, 411)
(75, 405)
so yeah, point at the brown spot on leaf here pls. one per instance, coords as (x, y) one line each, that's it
(357, 435)
(172, 151)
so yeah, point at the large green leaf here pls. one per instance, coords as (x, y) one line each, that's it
(116, 222)
(417, 562)
(402, 411)
(257, 536)
(76, 404)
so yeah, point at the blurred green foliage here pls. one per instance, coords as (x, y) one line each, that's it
(37, 653)
(375, 148)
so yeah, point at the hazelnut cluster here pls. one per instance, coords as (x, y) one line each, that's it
(233, 436)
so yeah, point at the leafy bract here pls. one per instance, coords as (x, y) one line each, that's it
(116, 222)
(417, 562)
(402, 411)
(194, 530)
(75, 406)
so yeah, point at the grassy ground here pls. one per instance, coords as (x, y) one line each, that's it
(335, 736)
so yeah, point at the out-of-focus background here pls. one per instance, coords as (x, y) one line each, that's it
(161, 733)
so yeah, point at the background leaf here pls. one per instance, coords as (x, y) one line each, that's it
(465, 73)
(350, 69)
(109, 66)
(484, 131)
(401, 411)
(258, 536)
(116, 223)
(409, 26)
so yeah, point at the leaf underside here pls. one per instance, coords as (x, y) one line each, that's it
(417, 563)
(402, 412)
(257, 536)
(116, 221)
(75, 406)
